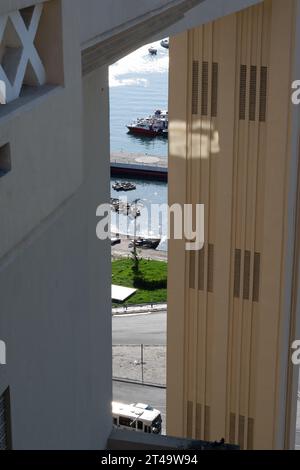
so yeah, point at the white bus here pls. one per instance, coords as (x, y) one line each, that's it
(137, 417)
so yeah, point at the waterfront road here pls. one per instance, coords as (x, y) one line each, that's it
(132, 393)
(140, 329)
(123, 251)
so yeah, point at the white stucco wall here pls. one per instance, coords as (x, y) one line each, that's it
(55, 313)
(44, 133)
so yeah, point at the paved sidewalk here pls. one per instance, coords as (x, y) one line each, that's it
(136, 309)
(140, 364)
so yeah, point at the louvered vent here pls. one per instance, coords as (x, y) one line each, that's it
(241, 432)
(195, 86)
(252, 97)
(232, 429)
(198, 421)
(243, 91)
(246, 275)
(214, 89)
(207, 423)
(204, 90)
(209, 275)
(199, 410)
(5, 437)
(253, 90)
(242, 422)
(250, 433)
(189, 423)
(263, 94)
(205, 83)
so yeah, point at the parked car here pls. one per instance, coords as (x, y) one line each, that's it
(115, 241)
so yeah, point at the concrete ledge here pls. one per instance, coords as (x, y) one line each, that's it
(140, 171)
(130, 440)
(109, 49)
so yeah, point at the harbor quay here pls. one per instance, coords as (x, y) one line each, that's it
(139, 165)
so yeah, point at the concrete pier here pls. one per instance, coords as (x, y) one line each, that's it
(139, 165)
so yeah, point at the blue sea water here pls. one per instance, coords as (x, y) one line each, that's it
(148, 193)
(138, 86)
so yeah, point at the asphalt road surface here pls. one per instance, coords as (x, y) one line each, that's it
(140, 329)
(132, 393)
(149, 329)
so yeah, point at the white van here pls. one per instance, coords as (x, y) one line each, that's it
(137, 417)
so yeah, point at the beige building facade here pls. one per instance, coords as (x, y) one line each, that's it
(233, 305)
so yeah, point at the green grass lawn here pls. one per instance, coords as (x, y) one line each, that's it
(122, 275)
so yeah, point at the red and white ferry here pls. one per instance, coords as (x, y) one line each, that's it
(151, 126)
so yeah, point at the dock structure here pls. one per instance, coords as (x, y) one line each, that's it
(139, 165)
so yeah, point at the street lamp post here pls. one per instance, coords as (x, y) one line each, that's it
(135, 202)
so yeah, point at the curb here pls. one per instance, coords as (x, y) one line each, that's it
(132, 310)
(136, 382)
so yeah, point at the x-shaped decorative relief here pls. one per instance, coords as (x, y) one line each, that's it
(19, 60)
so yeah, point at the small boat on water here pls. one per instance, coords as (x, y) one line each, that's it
(151, 126)
(114, 202)
(165, 43)
(165, 133)
(124, 208)
(126, 186)
(152, 50)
